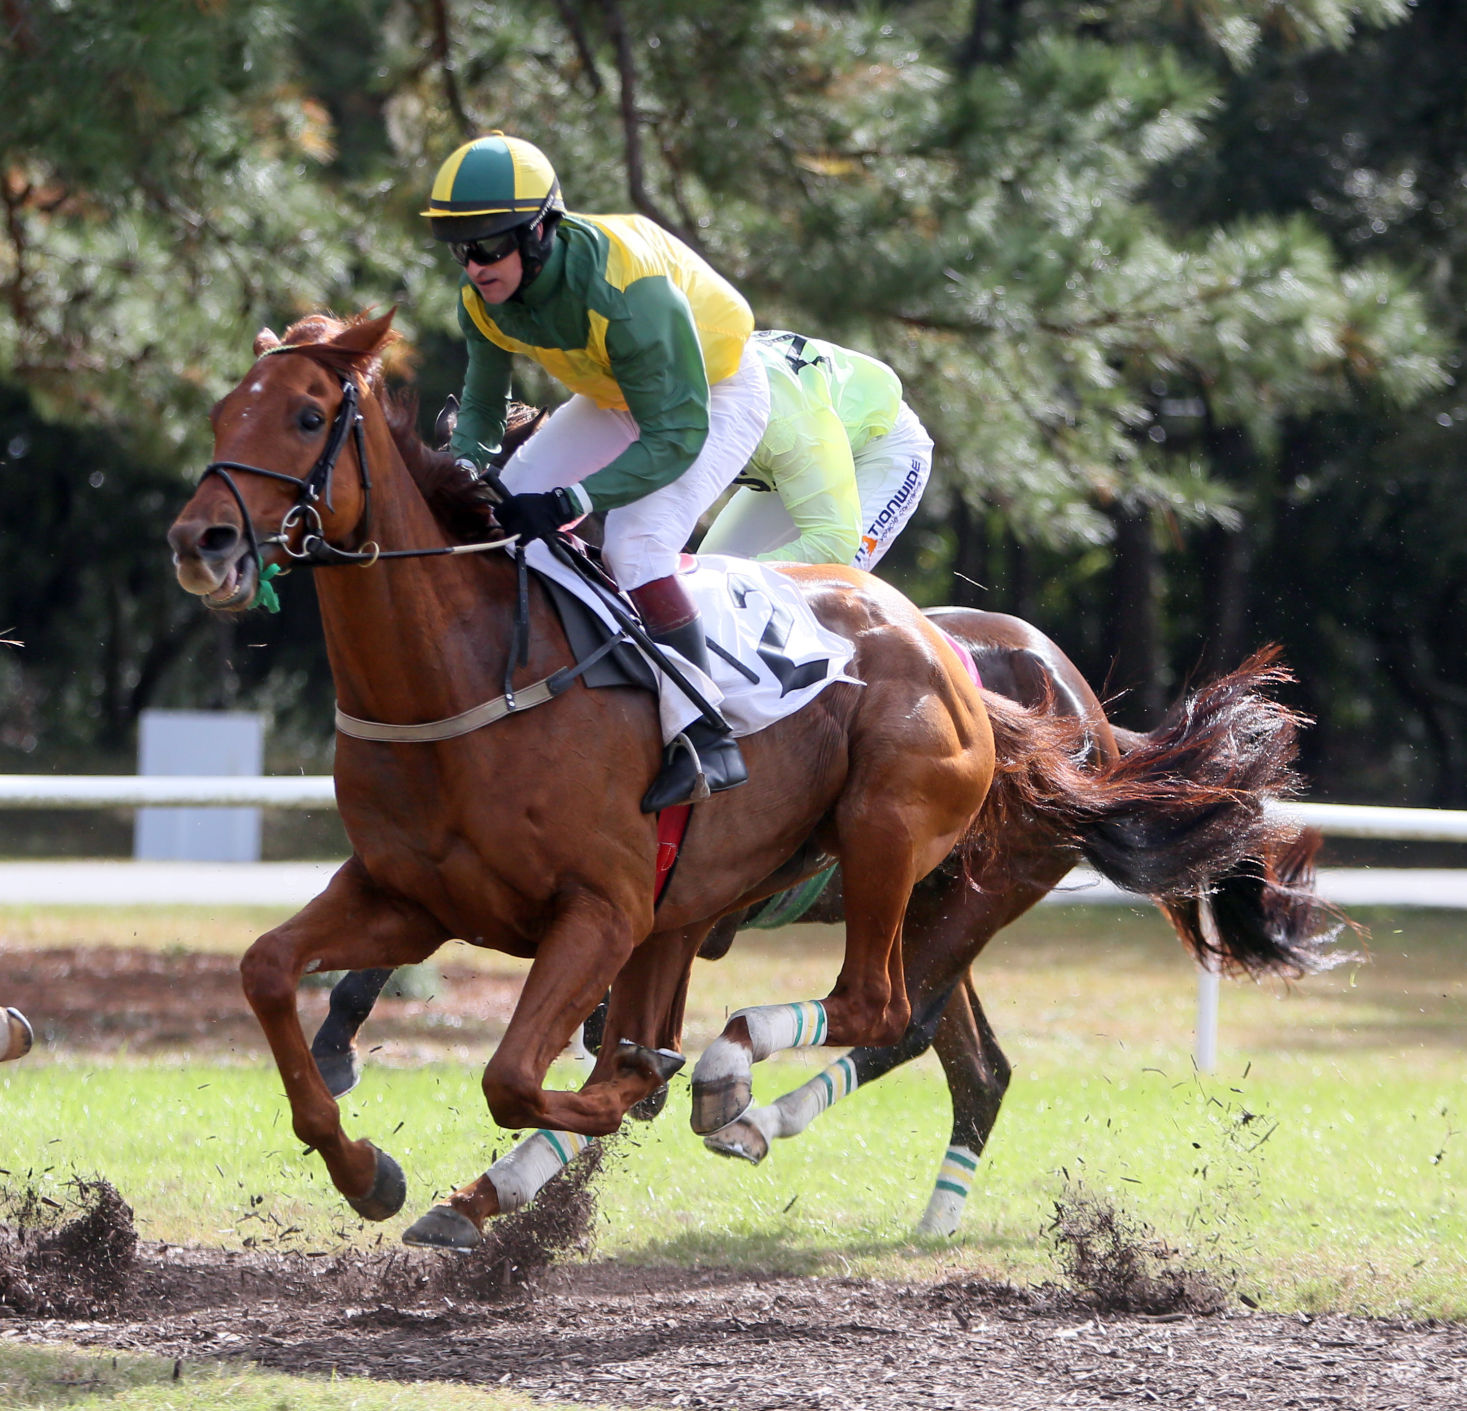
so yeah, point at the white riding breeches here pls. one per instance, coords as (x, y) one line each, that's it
(644, 538)
(891, 473)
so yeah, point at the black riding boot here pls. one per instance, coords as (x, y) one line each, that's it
(702, 760)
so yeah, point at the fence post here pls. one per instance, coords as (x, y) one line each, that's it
(1204, 1052)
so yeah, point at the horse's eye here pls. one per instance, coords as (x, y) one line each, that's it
(311, 420)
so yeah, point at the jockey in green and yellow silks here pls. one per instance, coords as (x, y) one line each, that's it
(668, 399)
(845, 457)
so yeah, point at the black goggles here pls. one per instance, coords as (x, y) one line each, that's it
(484, 252)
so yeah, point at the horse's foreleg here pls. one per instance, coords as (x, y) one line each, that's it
(645, 1008)
(350, 925)
(335, 1046)
(977, 1078)
(582, 952)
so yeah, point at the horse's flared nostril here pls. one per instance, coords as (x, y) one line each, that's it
(211, 542)
(219, 541)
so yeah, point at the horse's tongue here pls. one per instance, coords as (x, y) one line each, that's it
(231, 581)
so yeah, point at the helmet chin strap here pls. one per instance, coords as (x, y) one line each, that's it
(535, 250)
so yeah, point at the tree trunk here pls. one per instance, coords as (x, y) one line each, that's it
(1137, 666)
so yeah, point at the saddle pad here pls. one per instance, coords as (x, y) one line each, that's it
(770, 656)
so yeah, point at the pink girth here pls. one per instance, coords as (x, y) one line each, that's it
(964, 656)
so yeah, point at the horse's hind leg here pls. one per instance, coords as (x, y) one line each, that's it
(335, 1046)
(351, 924)
(977, 1078)
(750, 1136)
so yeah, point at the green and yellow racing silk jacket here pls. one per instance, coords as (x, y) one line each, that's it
(627, 315)
(825, 403)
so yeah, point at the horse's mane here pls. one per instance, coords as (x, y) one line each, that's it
(460, 502)
(349, 349)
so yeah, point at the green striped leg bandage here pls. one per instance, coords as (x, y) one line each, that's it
(797, 1109)
(789, 1115)
(772, 1029)
(519, 1176)
(776, 1027)
(954, 1180)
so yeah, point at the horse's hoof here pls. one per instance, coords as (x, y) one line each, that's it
(18, 1036)
(443, 1227)
(742, 1139)
(341, 1069)
(719, 1102)
(650, 1106)
(389, 1191)
(662, 1063)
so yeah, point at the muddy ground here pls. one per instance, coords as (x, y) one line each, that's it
(540, 1313)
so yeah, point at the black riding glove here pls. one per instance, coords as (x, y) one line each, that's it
(537, 516)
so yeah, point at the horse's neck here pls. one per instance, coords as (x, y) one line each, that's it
(419, 638)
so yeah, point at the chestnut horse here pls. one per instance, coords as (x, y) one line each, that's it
(526, 835)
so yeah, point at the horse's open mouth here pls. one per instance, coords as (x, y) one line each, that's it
(238, 587)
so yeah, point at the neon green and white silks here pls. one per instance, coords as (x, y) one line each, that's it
(845, 457)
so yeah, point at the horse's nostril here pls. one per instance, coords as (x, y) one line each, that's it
(218, 540)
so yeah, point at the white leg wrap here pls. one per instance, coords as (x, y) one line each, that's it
(944, 1211)
(520, 1175)
(772, 1027)
(775, 1027)
(796, 1110)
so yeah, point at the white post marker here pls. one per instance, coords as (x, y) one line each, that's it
(1204, 1052)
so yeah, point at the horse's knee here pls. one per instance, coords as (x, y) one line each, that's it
(514, 1099)
(265, 974)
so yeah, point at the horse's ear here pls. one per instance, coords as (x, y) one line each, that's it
(265, 339)
(366, 335)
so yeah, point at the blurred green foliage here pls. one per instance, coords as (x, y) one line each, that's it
(1176, 287)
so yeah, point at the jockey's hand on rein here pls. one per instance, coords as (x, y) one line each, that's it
(536, 516)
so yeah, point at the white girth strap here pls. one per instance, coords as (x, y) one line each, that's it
(449, 728)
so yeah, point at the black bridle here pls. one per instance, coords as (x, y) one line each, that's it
(313, 488)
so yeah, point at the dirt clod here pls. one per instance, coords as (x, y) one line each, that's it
(80, 1267)
(1120, 1265)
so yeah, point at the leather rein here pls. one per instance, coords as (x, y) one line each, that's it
(316, 552)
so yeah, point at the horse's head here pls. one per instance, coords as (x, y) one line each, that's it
(288, 459)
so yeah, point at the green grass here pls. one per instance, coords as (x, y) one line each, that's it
(55, 1377)
(1322, 1164)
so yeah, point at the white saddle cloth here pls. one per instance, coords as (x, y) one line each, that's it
(757, 616)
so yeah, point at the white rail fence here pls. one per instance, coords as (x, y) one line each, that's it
(34, 791)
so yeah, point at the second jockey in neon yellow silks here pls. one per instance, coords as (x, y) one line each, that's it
(845, 457)
(668, 400)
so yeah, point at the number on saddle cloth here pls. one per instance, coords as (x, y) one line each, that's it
(770, 654)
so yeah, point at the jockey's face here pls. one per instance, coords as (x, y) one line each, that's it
(497, 281)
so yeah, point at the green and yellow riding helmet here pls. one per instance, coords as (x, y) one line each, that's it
(495, 186)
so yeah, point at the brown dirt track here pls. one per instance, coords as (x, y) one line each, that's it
(617, 1335)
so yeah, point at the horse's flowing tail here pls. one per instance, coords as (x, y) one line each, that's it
(1181, 816)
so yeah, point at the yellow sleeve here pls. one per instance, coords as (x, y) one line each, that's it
(807, 456)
